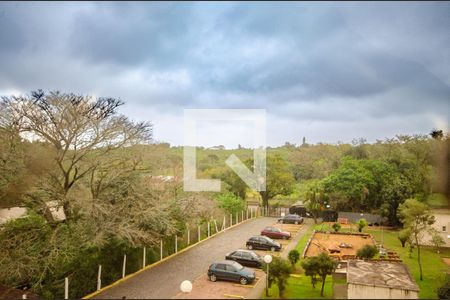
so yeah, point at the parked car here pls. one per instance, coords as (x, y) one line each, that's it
(245, 257)
(263, 243)
(230, 271)
(291, 219)
(276, 233)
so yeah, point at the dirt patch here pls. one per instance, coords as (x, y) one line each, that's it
(446, 260)
(329, 243)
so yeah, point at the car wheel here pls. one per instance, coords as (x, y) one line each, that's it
(213, 278)
(243, 281)
(272, 249)
(249, 247)
(284, 237)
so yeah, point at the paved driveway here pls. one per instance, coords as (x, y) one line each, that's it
(163, 281)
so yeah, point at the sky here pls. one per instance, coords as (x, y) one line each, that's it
(330, 72)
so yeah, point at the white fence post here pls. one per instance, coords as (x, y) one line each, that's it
(99, 278)
(176, 243)
(224, 223)
(144, 257)
(215, 226)
(188, 236)
(237, 218)
(161, 250)
(242, 216)
(66, 288)
(24, 296)
(231, 220)
(124, 265)
(199, 233)
(209, 232)
(247, 213)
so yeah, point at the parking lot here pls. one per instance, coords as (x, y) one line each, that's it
(203, 288)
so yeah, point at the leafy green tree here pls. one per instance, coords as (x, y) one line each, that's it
(311, 266)
(367, 252)
(279, 179)
(280, 270)
(234, 183)
(230, 203)
(321, 266)
(404, 235)
(12, 167)
(336, 227)
(417, 218)
(361, 224)
(314, 202)
(293, 256)
(75, 127)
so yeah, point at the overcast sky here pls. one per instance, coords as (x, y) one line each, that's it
(327, 71)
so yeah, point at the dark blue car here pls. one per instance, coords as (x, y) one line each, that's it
(230, 271)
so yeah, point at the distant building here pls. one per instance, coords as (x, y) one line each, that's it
(442, 226)
(380, 280)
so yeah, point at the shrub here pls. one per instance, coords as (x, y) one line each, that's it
(361, 224)
(404, 235)
(367, 252)
(293, 256)
(336, 227)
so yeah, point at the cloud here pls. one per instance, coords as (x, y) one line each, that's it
(335, 69)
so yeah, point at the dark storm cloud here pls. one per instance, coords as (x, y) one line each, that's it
(316, 63)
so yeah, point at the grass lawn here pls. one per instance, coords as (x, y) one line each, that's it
(301, 288)
(432, 264)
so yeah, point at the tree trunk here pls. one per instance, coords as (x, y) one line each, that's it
(418, 258)
(323, 285)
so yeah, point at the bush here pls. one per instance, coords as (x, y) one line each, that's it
(404, 236)
(367, 252)
(293, 256)
(361, 224)
(230, 203)
(336, 227)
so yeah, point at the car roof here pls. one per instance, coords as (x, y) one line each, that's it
(244, 250)
(225, 262)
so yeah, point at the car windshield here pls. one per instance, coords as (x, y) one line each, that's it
(269, 239)
(254, 254)
(276, 229)
(238, 266)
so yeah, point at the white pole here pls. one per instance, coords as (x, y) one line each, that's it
(247, 213)
(209, 232)
(176, 244)
(24, 296)
(66, 288)
(231, 220)
(215, 226)
(242, 216)
(144, 258)
(124, 265)
(99, 278)
(237, 217)
(224, 223)
(189, 236)
(161, 251)
(199, 233)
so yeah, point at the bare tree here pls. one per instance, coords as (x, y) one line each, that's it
(76, 126)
